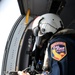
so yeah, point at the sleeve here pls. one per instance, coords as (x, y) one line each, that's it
(57, 54)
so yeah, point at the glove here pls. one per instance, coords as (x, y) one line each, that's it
(23, 73)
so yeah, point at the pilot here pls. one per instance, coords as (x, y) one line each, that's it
(59, 44)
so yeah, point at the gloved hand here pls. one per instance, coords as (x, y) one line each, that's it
(23, 73)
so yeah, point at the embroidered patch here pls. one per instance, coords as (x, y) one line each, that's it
(58, 50)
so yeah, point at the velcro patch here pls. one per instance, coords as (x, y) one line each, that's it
(58, 50)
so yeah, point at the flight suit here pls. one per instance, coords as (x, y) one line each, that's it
(61, 52)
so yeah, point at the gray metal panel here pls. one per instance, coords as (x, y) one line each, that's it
(37, 7)
(14, 46)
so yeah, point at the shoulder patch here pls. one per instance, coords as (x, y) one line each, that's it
(58, 50)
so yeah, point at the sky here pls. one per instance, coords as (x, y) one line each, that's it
(9, 13)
